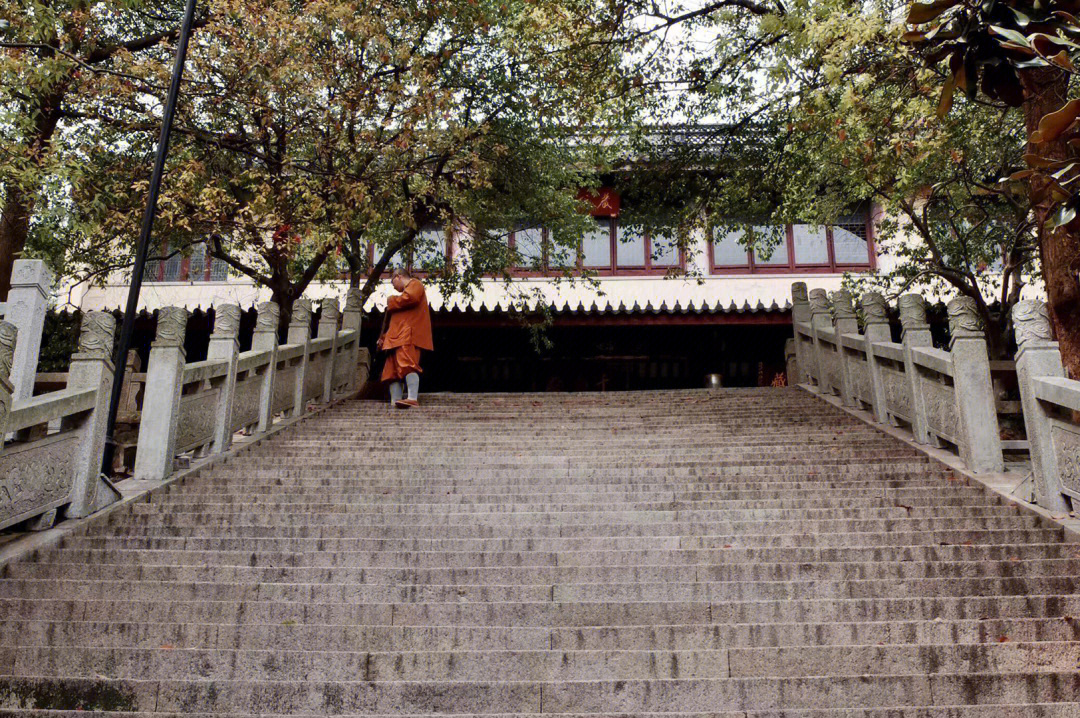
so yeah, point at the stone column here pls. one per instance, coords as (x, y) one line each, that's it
(877, 330)
(328, 327)
(300, 333)
(225, 344)
(844, 322)
(800, 314)
(916, 333)
(27, 302)
(265, 339)
(1038, 356)
(791, 362)
(974, 389)
(352, 318)
(161, 401)
(820, 319)
(92, 368)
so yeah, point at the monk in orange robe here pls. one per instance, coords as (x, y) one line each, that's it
(407, 331)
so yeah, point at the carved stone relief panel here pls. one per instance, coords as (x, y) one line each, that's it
(313, 380)
(36, 477)
(246, 401)
(897, 400)
(860, 380)
(941, 415)
(1066, 440)
(195, 424)
(284, 383)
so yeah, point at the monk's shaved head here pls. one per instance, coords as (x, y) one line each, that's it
(402, 272)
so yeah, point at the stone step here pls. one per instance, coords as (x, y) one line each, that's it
(578, 697)
(315, 553)
(1023, 710)
(218, 572)
(545, 613)
(557, 593)
(542, 665)
(343, 536)
(384, 638)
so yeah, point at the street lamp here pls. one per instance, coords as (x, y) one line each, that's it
(127, 328)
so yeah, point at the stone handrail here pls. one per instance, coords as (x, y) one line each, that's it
(53, 463)
(941, 396)
(241, 391)
(1051, 406)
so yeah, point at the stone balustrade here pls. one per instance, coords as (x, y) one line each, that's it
(197, 407)
(52, 465)
(944, 397)
(42, 471)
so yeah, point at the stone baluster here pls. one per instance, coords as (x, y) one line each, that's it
(300, 333)
(916, 333)
(876, 318)
(974, 388)
(92, 368)
(820, 319)
(800, 314)
(161, 400)
(225, 344)
(1036, 357)
(27, 303)
(265, 339)
(328, 327)
(844, 322)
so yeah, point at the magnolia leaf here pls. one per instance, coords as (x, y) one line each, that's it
(1055, 124)
(1021, 19)
(1022, 174)
(1064, 170)
(1063, 216)
(1011, 35)
(1022, 49)
(1039, 161)
(925, 12)
(947, 90)
(1067, 17)
(1062, 60)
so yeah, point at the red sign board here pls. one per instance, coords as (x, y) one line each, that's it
(604, 201)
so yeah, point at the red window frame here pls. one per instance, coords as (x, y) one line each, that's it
(792, 266)
(185, 267)
(612, 269)
(421, 273)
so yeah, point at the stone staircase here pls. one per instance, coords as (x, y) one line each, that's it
(740, 553)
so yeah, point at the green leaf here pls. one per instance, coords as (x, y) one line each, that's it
(946, 100)
(925, 12)
(1010, 35)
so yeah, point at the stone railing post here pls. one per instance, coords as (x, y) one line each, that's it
(791, 362)
(974, 388)
(844, 322)
(265, 339)
(9, 335)
(351, 318)
(820, 319)
(225, 344)
(328, 327)
(27, 303)
(161, 400)
(876, 319)
(1038, 356)
(91, 368)
(300, 333)
(916, 333)
(800, 314)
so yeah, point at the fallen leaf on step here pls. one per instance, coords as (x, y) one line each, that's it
(1003, 639)
(166, 646)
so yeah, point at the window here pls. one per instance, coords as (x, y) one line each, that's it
(802, 247)
(596, 246)
(429, 251)
(193, 266)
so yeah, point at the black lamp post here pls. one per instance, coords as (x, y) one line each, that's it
(127, 328)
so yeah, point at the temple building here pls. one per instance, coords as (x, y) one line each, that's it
(711, 307)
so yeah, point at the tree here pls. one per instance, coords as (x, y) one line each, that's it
(336, 124)
(53, 55)
(1020, 55)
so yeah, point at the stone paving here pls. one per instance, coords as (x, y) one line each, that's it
(738, 553)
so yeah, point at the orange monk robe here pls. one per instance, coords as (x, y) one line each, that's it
(408, 332)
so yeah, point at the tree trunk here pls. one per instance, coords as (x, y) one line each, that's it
(14, 228)
(1059, 249)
